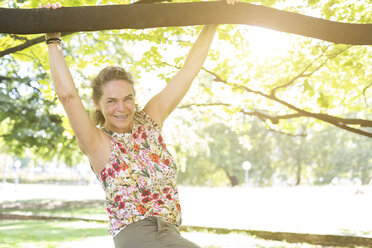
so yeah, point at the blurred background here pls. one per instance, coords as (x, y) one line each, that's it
(274, 135)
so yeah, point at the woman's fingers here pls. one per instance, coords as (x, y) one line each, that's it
(56, 6)
(232, 2)
(51, 6)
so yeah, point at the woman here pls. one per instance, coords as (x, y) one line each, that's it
(127, 151)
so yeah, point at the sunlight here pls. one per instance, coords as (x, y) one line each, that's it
(261, 43)
(267, 43)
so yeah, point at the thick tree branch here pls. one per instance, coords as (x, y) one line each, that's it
(138, 16)
(29, 43)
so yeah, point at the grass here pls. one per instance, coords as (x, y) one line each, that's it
(62, 234)
(82, 209)
(46, 234)
(52, 234)
(78, 234)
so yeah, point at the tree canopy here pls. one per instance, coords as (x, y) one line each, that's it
(279, 95)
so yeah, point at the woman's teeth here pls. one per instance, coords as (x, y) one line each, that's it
(121, 117)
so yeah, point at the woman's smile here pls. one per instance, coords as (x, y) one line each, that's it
(121, 117)
(117, 106)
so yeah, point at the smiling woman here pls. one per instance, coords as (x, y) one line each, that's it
(127, 151)
(113, 96)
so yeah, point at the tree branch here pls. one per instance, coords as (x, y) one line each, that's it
(273, 119)
(203, 105)
(139, 16)
(260, 115)
(25, 45)
(17, 37)
(22, 46)
(309, 74)
(303, 134)
(151, 1)
(336, 121)
(28, 43)
(364, 93)
(301, 74)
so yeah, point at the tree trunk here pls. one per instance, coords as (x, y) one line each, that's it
(299, 162)
(234, 181)
(298, 174)
(138, 16)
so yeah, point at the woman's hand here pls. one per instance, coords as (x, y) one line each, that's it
(232, 2)
(52, 36)
(51, 6)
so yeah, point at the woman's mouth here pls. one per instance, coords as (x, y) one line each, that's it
(121, 117)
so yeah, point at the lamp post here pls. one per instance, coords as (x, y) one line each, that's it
(246, 166)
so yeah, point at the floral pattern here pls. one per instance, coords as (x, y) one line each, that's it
(140, 179)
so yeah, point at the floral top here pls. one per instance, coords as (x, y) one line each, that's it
(140, 179)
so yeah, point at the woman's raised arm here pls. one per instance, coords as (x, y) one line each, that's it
(162, 104)
(91, 140)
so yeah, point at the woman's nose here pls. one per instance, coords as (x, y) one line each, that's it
(121, 106)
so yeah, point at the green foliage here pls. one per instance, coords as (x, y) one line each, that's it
(316, 76)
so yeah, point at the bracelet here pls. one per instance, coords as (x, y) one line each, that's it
(53, 40)
(52, 35)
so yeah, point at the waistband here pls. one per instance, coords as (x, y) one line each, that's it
(163, 226)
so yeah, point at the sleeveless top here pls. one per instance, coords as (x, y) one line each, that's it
(140, 178)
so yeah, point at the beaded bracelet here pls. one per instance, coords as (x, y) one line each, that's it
(53, 40)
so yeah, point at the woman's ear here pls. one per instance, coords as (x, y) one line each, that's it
(98, 107)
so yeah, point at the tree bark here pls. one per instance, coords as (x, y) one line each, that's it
(234, 181)
(139, 16)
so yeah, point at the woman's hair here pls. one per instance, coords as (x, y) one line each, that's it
(106, 75)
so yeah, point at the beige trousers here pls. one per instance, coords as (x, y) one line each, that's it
(151, 232)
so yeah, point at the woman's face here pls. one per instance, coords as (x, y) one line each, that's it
(117, 106)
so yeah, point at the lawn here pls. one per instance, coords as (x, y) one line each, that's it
(69, 234)
(328, 210)
(46, 234)
(93, 209)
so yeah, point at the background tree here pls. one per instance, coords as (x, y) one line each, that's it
(277, 94)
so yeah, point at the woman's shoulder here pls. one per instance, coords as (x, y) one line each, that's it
(145, 119)
(105, 131)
